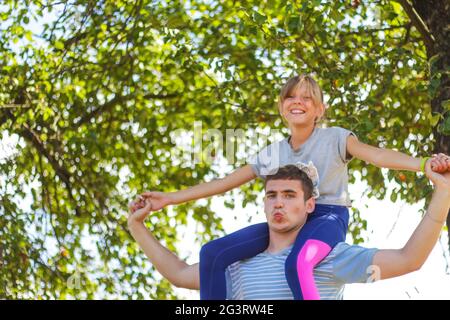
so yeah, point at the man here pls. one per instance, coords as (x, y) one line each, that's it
(286, 208)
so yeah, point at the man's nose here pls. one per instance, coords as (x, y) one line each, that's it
(278, 203)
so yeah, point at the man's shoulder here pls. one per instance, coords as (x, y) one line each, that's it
(342, 246)
(348, 263)
(343, 250)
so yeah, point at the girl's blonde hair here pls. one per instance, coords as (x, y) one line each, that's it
(294, 83)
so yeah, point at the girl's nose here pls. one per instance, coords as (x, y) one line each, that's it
(298, 100)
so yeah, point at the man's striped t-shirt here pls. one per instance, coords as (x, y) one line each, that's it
(263, 277)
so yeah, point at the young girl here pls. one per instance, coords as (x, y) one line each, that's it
(330, 149)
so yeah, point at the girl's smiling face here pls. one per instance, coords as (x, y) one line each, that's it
(300, 107)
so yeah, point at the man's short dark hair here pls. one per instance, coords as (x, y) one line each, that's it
(291, 172)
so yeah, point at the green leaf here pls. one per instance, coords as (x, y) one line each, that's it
(445, 105)
(394, 196)
(259, 18)
(433, 87)
(28, 36)
(434, 119)
(392, 15)
(369, 125)
(59, 45)
(294, 24)
(444, 128)
(432, 62)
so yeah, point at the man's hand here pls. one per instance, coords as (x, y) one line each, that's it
(159, 199)
(138, 203)
(440, 180)
(139, 210)
(174, 269)
(440, 163)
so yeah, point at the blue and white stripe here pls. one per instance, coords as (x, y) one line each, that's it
(263, 278)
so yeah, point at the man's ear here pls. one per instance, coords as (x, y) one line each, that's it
(310, 205)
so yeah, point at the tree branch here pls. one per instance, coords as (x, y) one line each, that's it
(369, 31)
(116, 100)
(418, 23)
(28, 134)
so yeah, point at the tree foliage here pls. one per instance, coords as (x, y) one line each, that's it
(95, 89)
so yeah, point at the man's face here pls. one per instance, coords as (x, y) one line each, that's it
(284, 205)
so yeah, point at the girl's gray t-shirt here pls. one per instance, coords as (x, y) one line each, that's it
(326, 148)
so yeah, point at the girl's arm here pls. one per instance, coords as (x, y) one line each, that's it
(218, 186)
(203, 190)
(386, 158)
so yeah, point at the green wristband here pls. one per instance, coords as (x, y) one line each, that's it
(422, 163)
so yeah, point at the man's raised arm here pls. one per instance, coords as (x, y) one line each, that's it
(178, 272)
(412, 256)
